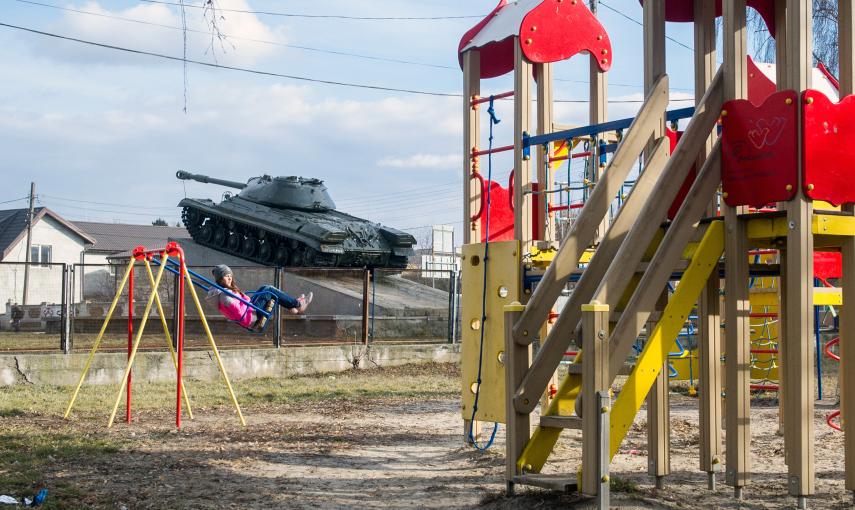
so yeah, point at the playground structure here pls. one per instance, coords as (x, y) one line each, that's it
(777, 183)
(186, 281)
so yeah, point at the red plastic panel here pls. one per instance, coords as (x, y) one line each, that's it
(829, 151)
(760, 87)
(673, 138)
(827, 265)
(758, 149)
(556, 30)
(497, 58)
(684, 10)
(501, 215)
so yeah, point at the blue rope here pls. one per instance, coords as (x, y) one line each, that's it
(493, 120)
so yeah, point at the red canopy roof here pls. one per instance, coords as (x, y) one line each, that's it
(548, 31)
(683, 10)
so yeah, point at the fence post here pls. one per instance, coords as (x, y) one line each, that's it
(63, 310)
(366, 276)
(452, 290)
(279, 278)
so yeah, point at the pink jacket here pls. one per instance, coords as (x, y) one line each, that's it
(232, 308)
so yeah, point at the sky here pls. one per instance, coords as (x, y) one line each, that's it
(102, 132)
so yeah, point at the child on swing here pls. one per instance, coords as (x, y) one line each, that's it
(240, 312)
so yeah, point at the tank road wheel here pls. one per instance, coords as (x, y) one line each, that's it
(206, 233)
(192, 217)
(221, 235)
(265, 251)
(249, 247)
(298, 257)
(234, 242)
(281, 255)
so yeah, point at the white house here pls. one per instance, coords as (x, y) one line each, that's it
(54, 241)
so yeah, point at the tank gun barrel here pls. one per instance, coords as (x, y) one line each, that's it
(187, 176)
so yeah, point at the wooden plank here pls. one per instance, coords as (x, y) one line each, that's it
(561, 422)
(597, 111)
(846, 20)
(471, 127)
(543, 76)
(659, 416)
(709, 315)
(737, 305)
(522, 166)
(595, 378)
(517, 359)
(551, 482)
(798, 312)
(552, 349)
(597, 205)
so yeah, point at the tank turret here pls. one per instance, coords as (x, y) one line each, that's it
(290, 221)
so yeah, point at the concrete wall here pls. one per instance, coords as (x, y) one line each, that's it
(108, 368)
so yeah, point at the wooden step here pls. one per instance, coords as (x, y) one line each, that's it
(561, 422)
(552, 482)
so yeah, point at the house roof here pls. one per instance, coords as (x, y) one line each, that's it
(120, 237)
(13, 227)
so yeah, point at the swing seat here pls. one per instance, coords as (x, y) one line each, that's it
(260, 302)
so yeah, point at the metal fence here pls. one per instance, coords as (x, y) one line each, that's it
(68, 305)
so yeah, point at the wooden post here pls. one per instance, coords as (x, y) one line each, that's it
(658, 416)
(797, 314)
(543, 75)
(595, 378)
(597, 113)
(517, 361)
(709, 315)
(737, 304)
(522, 165)
(846, 20)
(471, 126)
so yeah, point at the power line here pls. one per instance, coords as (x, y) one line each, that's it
(16, 200)
(63, 199)
(630, 18)
(250, 39)
(279, 75)
(321, 16)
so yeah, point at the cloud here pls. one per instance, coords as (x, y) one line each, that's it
(442, 161)
(157, 30)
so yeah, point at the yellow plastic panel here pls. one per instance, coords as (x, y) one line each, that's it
(503, 278)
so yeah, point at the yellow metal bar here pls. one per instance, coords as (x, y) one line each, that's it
(213, 344)
(655, 352)
(100, 335)
(139, 337)
(169, 341)
(821, 224)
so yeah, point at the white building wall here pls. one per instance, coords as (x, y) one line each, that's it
(45, 281)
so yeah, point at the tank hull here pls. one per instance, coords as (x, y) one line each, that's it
(294, 237)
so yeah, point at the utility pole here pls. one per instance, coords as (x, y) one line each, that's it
(29, 242)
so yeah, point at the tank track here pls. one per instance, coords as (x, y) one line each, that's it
(264, 247)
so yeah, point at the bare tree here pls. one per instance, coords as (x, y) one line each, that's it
(824, 35)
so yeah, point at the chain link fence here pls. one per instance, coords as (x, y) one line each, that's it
(68, 305)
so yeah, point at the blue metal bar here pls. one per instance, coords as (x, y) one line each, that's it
(593, 129)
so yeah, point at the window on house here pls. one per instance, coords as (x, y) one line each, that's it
(40, 254)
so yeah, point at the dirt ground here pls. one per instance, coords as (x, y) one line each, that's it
(378, 453)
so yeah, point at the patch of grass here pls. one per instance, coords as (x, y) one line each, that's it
(623, 485)
(430, 381)
(32, 459)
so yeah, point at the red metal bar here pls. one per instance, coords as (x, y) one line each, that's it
(475, 100)
(764, 387)
(764, 351)
(764, 315)
(180, 349)
(130, 341)
(494, 150)
(572, 156)
(824, 70)
(830, 419)
(762, 209)
(571, 353)
(763, 252)
(828, 347)
(511, 190)
(483, 198)
(578, 205)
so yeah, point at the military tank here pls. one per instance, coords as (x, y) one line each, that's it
(290, 222)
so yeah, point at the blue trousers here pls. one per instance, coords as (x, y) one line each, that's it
(285, 300)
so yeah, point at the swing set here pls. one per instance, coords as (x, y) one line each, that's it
(178, 267)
